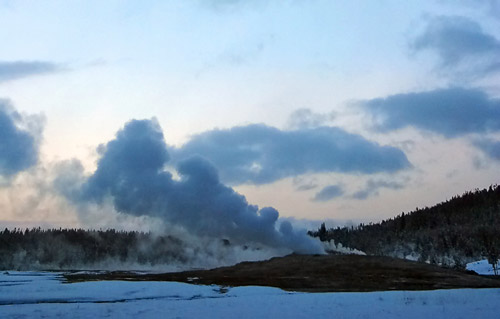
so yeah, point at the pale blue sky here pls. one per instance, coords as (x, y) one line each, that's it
(85, 68)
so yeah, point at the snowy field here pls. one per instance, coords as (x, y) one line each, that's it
(45, 295)
(482, 267)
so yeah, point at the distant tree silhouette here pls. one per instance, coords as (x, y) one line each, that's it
(460, 230)
(35, 248)
(491, 246)
(322, 232)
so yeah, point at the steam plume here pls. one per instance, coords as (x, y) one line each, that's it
(131, 172)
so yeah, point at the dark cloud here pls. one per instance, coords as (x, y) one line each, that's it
(450, 112)
(21, 69)
(131, 173)
(328, 193)
(18, 146)
(489, 147)
(372, 187)
(460, 43)
(260, 154)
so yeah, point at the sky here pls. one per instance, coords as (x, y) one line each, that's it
(337, 111)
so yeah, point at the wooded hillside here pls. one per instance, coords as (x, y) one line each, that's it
(452, 233)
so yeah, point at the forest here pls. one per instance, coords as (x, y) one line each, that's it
(56, 249)
(452, 233)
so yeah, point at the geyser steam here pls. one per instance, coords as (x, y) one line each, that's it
(131, 172)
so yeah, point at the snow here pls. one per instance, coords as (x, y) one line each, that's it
(482, 267)
(46, 295)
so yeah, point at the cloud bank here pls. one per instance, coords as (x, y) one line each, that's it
(450, 112)
(460, 44)
(21, 69)
(18, 145)
(261, 154)
(130, 172)
(328, 193)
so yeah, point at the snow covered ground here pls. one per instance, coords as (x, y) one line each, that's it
(45, 295)
(482, 267)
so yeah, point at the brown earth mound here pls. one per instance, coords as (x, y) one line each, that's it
(319, 274)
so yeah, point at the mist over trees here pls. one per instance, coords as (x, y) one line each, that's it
(78, 249)
(460, 230)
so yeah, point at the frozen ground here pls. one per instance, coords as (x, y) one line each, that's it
(44, 295)
(482, 267)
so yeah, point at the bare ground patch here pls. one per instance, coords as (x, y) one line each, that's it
(318, 273)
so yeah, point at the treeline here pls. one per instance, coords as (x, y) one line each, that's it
(64, 249)
(453, 233)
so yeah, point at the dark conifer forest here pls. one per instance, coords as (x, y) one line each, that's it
(460, 230)
(56, 249)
